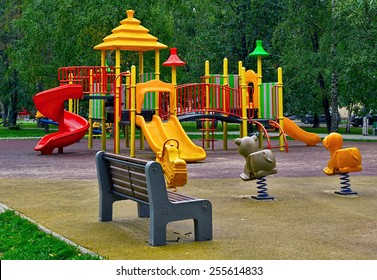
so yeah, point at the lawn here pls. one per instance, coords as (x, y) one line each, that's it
(25, 130)
(31, 129)
(22, 240)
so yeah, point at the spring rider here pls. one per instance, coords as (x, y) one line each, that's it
(259, 164)
(342, 161)
(175, 168)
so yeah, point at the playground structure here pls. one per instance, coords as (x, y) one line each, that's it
(342, 161)
(226, 97)
(158, 108)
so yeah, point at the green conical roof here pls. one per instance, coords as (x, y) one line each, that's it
(259, 51)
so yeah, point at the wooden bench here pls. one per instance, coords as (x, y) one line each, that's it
(142, 181)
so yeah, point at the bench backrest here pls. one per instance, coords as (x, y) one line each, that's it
(128, 176)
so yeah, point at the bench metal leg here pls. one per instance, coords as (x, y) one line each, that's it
(106, 201)
(157, 232)
(203, 229)
(200, 212)
(142, 210)
(203, 221)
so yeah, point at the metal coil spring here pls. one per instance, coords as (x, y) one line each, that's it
(345, 185)
(262, 187)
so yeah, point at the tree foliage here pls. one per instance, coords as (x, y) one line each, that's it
(327, 48)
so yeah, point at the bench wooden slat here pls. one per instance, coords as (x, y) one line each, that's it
(129, 180)
(175, 197)
(135, 194)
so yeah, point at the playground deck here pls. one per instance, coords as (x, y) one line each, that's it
(306, 220)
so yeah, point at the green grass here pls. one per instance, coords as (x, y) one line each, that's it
(341, 130)
(24, 130)
(22, 240)
(30, 129)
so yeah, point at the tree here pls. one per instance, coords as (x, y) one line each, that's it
(299, 41)
(10, 84)
(53, 34)
(325, 61)
(324, 64)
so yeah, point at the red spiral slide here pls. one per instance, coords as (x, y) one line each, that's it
(72, 127)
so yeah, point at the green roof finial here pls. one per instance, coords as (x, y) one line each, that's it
(259, 51)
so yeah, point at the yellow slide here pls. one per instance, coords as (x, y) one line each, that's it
(294, 131)
(157, 132)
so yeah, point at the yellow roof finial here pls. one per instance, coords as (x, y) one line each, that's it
(130, 14)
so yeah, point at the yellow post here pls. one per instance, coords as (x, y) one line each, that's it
(141, 72)
(103, 114)
(133, 111)
(239, 73)
(259, 52)
(128, 106)
(90, 117)
(280, 113)
(206, 69)
(225, 83)
(259, 77)
(77, 106)
(244, 101)
(141, 65)
(174, 82)
(157, 65)
(117, 103)
(70, 101)
(240, 83)
(157, 77)
(73, 104)
(206, 74)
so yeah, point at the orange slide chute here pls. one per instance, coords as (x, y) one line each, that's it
(72, 127)
(294, 131)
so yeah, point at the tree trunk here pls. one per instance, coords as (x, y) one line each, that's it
(325, 101)
(326, 109)
(348, 125)
(14, 99)
(334, 78)
(334, 102)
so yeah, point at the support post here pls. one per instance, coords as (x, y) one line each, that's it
(259, 77)
(133, 112)
(117, 103)
(280, 113)
(141, 72)
(90, 117)
(157, 77)
(243, 100)
(225, 84)
(103, 87)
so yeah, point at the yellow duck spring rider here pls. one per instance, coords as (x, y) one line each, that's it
(342, 161)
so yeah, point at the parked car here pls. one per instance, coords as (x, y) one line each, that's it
(309, 119)
(357, 121)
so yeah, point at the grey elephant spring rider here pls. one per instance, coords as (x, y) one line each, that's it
(259, 164)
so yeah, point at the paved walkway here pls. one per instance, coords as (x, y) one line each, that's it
(305, 221)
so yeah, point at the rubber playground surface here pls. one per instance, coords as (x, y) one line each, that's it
(305, 221)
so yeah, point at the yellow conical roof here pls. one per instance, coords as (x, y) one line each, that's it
(130, 36)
